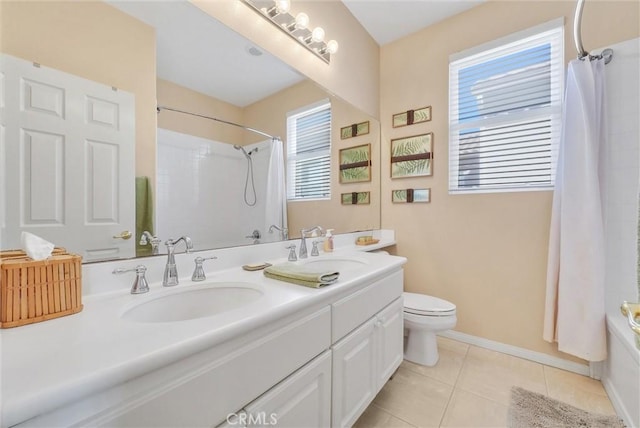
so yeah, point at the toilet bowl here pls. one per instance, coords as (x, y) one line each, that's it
(424, 316)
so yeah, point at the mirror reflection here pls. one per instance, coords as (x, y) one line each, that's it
(218, 184)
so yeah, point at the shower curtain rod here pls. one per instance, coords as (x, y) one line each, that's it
(158, 108)
(607, 54)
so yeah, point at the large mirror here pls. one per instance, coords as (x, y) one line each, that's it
(194, 176)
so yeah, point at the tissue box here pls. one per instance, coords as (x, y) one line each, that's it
(34, 291)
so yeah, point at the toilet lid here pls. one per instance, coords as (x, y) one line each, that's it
(421, 304)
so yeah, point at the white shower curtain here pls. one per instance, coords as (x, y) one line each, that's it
(276, 195)
(575, 299)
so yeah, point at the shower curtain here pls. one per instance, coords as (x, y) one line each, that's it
(575, 297)
(276, 195)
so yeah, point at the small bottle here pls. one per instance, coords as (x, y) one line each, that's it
(328, 241)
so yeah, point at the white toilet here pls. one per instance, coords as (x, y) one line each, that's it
(424, 316)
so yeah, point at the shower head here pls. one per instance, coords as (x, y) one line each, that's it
(237, 147)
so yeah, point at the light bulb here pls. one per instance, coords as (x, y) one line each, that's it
(317, 35)
(302, 21)
(332, 46)
(283, 6)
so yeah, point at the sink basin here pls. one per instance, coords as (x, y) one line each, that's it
(335, 264)
(190, 304)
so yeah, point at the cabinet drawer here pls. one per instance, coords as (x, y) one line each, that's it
(353, 310)
(206, 397)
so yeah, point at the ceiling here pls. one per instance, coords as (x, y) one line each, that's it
(196, 51)
(390, 20)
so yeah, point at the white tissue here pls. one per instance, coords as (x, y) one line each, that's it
(35, 247)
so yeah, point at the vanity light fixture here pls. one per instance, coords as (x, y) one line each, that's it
(278, 13)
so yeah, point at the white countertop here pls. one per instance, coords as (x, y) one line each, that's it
(50, 364)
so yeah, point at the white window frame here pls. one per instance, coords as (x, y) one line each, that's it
(292, 157)
(487, 52)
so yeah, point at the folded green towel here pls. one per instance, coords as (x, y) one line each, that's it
(298, 274)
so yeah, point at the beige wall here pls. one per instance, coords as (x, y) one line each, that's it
(181, 98)
(270, 115)
(91, 40)
(354, 71)
(487, 253)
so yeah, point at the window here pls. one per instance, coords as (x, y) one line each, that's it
(505, 110)
(309, 152)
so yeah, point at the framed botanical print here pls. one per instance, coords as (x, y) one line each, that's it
(356, 198)
(355, 130)
(410, 117)
(410, 196)
(355, 164)
(412, 156)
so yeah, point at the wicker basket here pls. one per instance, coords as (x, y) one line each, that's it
(33, 291)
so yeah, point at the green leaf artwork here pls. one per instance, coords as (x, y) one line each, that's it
(412, 116)
(361, 198)
(361, 128)
(355, 164)
(411, 196)
(412, 156)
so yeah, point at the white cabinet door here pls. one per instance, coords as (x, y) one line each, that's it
(389, 335)
(67, 160)
(354, 375)
(301, 400)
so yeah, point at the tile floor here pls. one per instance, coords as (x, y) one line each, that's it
(470, 387)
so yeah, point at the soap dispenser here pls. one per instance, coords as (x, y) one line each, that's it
(328, 241)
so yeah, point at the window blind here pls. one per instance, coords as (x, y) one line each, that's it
(505, 110)
(309, 153)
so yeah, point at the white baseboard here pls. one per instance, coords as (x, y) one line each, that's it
(527, 354)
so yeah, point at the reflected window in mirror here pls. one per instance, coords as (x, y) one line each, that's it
(309, 152)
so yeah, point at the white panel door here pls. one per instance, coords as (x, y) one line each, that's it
(389, 335)
(301, 400)
(354, 375)
(67, 149)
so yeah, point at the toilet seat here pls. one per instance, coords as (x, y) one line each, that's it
(421, 304)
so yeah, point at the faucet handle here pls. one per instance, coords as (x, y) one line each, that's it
(314, 248)
(140, 284)
(292, 253)
(198, 272)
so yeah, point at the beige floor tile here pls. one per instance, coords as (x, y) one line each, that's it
(577, 390)
(448, 368)
(375, 417)
(491, 375)
(452, 345)
(417, 399)
(424, 396)
(469, 410)
(558, 378)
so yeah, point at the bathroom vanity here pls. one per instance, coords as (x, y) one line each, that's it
(270, 353)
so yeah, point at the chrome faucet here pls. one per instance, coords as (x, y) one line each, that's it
(140, 284)
(148, 239)
(284, 232)
(170, 277)
(303, 242)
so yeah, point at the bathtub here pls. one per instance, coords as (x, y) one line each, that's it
(621, 372)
